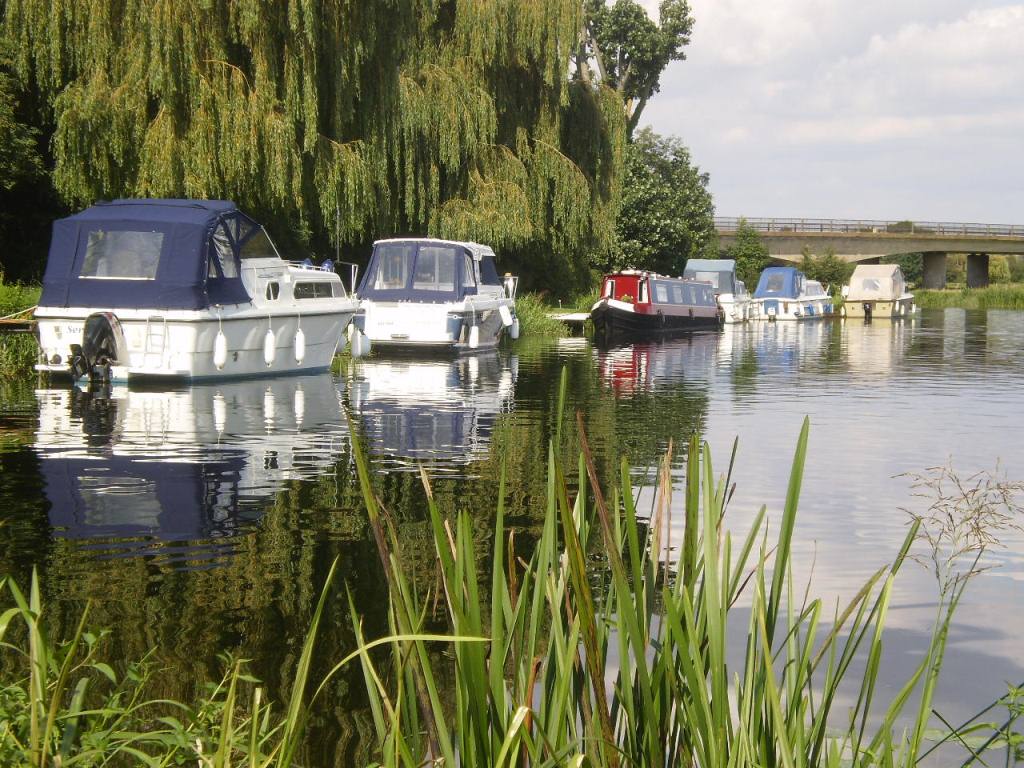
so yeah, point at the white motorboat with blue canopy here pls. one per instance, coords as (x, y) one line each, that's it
(424, 292)
(731, 292)
(182, 289)
(785, 293)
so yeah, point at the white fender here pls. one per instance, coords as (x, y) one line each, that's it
(474, 336)
(300, 346)
(514, 330)
(360, 344)
(506, 315)
(269, 348)
(220, 350)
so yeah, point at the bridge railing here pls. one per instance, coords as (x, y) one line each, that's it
(870, 226)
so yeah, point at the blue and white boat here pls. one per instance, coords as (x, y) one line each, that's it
(428, 293)
(182, 289)
(785, 293)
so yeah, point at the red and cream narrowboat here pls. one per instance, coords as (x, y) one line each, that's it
(646, 303)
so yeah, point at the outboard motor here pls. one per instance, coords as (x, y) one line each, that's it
(102, 347)
(867, 312)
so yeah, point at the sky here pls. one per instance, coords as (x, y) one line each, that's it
(883, 109)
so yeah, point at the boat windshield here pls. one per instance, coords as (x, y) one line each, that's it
(393, 266)
(435, 269)
(426, 271)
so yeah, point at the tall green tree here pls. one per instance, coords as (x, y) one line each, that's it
(27, 199)
(750, 253)
(630, 50)
(667, 212)
(454, 118)
(827, 268)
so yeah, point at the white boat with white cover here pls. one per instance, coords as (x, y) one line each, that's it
(182, 289)
(423, 293)
(731, 292)
(877, 291)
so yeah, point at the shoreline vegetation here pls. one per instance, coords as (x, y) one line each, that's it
(998, 296)
(599, 650)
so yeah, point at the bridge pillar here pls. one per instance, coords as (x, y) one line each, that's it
(977, 270)
(934, 270)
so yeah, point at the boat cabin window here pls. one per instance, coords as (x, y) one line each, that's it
(661, 293)
(677, 294)
(468, 276)
(870, 284)
(224, 252)
(122, 255)
(435, 269)
(489, 271)
(393, 266)
(273, 291)
(609, 288)
(319, 289)
(776, 282)
(258, 246)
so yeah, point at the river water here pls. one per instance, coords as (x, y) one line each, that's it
(204, 519)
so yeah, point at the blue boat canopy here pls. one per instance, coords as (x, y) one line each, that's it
(160, 254)
(427, 270)
(780, 282)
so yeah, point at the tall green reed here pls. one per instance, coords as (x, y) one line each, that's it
(603, 651)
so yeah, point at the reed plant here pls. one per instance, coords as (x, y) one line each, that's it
(604, 650)
(18, 351)
(535, 320)
(1002, 296)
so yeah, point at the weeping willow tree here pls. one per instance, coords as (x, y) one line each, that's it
(336, 120)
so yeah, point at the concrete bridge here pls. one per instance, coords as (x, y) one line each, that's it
(865, 241)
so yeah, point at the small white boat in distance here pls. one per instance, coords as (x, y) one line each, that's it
(182, 289)
(429, 293)
(730, 291)
(877, 291)
(785, 293)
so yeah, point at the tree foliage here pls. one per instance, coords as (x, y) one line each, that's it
(750, 253)
(827, 268)
(910, 264)
(667, 212)
(333, 119)
(630, 50)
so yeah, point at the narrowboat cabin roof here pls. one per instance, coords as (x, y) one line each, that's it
(779, 282)
(721, 273)
(166, 254)
(428, 269)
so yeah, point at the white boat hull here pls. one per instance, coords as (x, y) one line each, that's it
(180, 344)
(407, 324)
(735, 310)
(801, 308)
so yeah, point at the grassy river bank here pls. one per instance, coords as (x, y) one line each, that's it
(1000, 296)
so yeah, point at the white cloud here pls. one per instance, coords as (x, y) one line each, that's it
(797, 102)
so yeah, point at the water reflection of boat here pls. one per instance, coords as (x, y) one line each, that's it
(192, 464)
(434, 411)
(647, 366)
